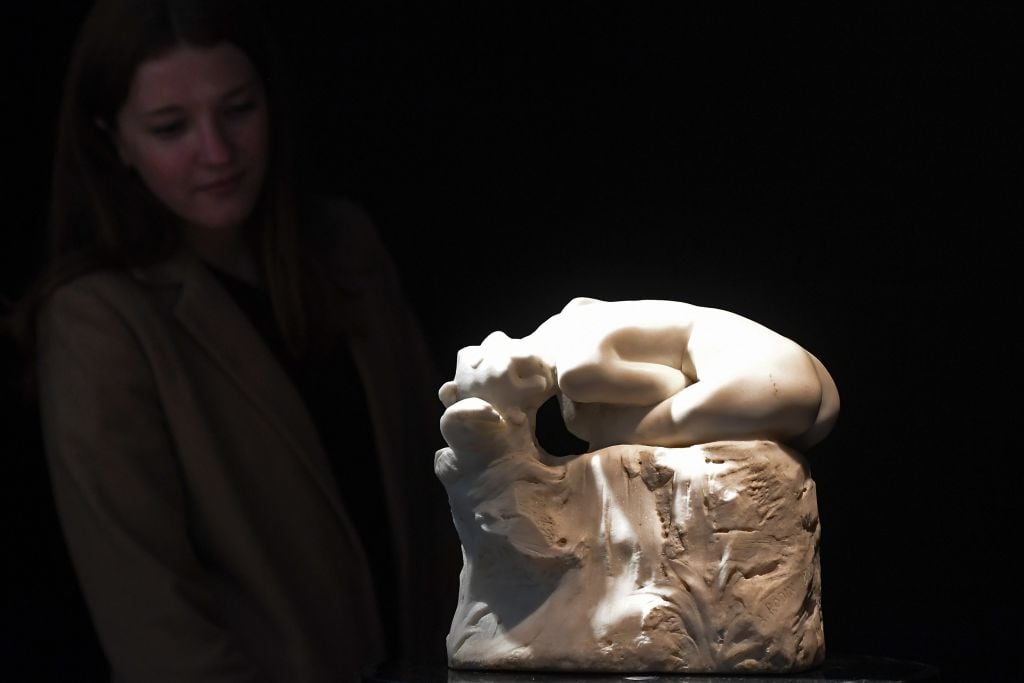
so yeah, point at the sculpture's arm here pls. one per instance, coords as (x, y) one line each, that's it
(624, 382)
(624, 352)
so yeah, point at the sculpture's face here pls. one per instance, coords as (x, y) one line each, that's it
(502, 371)
(195, 129)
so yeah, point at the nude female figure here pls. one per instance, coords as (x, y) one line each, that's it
(662, 373)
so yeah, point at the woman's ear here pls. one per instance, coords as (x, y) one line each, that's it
(114, 138)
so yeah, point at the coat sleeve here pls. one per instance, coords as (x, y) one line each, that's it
(121, 501)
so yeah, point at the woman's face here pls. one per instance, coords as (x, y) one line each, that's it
(194, 127)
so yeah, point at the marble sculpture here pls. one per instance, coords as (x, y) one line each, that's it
(684, 540)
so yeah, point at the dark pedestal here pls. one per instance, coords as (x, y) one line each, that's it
(848, 668)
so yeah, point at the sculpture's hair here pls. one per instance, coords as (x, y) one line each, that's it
(101, 214)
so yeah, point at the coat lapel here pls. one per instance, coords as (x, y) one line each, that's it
(212, 318)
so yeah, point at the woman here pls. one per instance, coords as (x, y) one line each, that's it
(239, 411)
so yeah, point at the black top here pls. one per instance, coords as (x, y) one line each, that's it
(333, 393)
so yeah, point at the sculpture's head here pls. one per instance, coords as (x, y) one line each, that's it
(504, 372)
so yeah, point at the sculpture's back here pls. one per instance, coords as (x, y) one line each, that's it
(695, 557)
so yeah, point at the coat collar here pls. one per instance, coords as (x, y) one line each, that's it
(209, 314)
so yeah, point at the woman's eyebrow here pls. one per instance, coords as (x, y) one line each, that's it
(162, 111)
(175, 108)
(238, 89)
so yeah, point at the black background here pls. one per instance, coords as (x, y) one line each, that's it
(838, 172)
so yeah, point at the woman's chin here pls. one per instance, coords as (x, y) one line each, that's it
(227, 219)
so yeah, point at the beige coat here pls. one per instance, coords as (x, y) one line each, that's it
(195, 496)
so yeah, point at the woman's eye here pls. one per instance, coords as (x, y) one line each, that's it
(242, 107)
(168, 130)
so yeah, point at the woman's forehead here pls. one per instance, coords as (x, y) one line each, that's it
(189, 74)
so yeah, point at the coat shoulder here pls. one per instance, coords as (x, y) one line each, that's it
(340, 237)
(112, 290)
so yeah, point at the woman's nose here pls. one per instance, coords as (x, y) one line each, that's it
(214, 145)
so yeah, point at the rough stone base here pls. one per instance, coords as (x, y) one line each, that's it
(634, 559)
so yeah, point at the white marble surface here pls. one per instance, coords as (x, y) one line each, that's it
(685, 540)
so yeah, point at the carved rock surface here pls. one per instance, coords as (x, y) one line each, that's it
(630, 558)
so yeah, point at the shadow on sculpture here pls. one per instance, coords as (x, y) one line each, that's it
(685, 540)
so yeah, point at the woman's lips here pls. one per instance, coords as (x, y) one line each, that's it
(221, 186)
